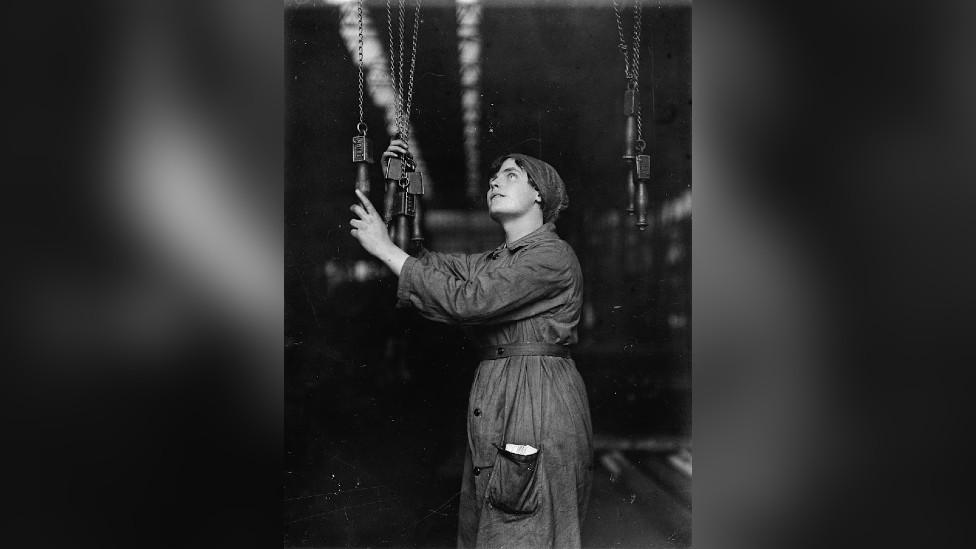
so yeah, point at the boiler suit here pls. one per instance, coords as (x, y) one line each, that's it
(529, 291)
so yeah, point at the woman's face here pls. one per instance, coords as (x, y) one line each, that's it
(510, 194)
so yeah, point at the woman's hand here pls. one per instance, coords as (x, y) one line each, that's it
(398, 148)
(371, 232)
(369, 229)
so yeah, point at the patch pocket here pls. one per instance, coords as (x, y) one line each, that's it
(512, 487)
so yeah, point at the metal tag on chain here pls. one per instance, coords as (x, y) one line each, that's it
(411, 204)
(393, 169)
(397, 168)
(416, 185)
(362, 149)
(403, 204)
(643, 167)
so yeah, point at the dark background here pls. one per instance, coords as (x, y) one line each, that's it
(833, 294)
(375, 398)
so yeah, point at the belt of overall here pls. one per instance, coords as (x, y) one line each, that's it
(523, 349)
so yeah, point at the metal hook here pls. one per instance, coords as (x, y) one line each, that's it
(640, 144)
(362, 128)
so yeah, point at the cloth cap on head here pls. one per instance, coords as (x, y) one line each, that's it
(547, 180)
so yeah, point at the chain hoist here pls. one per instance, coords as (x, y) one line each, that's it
(637, 163)
(402, 205)
(362, 146)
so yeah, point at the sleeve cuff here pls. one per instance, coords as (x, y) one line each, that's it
(405, 282)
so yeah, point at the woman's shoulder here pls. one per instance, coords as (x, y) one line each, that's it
(555, 251)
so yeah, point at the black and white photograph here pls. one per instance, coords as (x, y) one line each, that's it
(487, 269)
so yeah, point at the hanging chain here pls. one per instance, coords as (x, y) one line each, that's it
(631, 61)
(402, 105)
(620, 34)
(413, 65)
(635, 69)
(400, 70)
(393, 65)
(362, 123)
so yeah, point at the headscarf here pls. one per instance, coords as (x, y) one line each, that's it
(547, 181)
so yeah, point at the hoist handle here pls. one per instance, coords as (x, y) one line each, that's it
(642, 204)
(418, 224)
(362, 177)
(362, 156)
(629, 175)
(630, 137)
(401, 236)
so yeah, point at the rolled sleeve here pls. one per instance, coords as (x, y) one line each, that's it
(410, 270)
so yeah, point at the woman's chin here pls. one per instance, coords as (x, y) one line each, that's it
(495, 214)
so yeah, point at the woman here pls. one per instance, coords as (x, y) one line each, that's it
(528, 464)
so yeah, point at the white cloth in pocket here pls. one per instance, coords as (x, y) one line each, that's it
(520, 449)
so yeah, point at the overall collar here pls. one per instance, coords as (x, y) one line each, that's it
(546, 232)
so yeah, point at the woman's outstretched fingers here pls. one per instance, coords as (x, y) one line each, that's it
(358, 210)
(366, 204)
(369, 205)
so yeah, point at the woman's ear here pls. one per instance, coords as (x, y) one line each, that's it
(538, 197)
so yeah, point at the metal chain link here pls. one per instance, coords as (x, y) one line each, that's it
(620, 35)
(631, 61)
(413, 65)
(393, 64)
(400, 69)
(362, 123)
(635, 66)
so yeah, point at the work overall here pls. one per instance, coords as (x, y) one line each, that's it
(526, 292)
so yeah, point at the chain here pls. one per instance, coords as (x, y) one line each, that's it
(393, 64)
(413, 65)
(400, 19)
(631, 61)
(402, 105)
(635, 51)
(635, 67)
(620, 35)
(362, 123)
